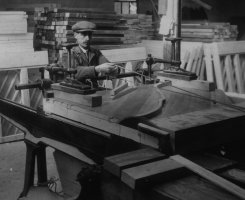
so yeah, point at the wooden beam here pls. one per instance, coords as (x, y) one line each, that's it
(125, 55)
(12, 138)
(193, 84)
(219, 181)
(23, 59)
(151, 173)
(115, 164)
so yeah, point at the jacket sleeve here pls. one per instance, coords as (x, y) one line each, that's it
(84, 71)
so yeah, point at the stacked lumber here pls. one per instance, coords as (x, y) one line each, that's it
(203, 31)
(140, 27)
(54, 28)
(113, 31)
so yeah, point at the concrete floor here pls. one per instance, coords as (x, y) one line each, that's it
(12, 168)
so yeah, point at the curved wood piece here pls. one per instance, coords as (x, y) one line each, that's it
(144, 101)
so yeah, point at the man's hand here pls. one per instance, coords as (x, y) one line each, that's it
(107, 68)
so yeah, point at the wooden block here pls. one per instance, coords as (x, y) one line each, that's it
(91, 100)
(115, 164)
(151, 173)
(217, 180)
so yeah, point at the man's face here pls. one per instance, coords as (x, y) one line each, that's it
(84, 38)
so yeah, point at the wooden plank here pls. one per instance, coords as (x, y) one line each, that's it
(211, 162)
(12, 138)
(11, 37)
(68, 149)
(208, 62)
(199, 62)
(124, 55)
(115, 164)
(236, 97)
(151, 173)
(155, 48)
(217, 67)
(12, 13)
(219, 181)
(193, 84)
(229, 74)
(191, 188)
(203, 72)
(231, 47)
(184, 62)
(23, 59)
(238, 73)
(191, 59)
(91, 100)
(196, 118)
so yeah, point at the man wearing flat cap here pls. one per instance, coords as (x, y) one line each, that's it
(88, 61)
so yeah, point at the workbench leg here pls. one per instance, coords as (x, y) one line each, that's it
(29, 167)
(41, 165)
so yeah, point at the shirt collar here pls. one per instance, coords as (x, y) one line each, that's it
(83, 50)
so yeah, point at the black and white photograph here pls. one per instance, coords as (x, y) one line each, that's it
(122, 100)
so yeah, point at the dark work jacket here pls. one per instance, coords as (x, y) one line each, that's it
(85, 65)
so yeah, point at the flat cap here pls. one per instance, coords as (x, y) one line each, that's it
(83, 26)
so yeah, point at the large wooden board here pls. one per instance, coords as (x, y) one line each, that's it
(23, 59)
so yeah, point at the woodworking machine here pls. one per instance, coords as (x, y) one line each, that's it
(128, 138)
(172, 137)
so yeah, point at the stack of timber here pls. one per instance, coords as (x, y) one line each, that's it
(16, 55)
(140, 27)
(54, 28)
(203, 31)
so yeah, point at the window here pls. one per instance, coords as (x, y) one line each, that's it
(125, 6)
